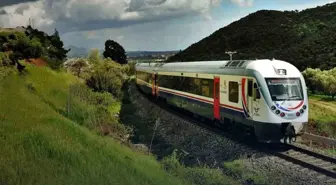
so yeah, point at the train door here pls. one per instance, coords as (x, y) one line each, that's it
(216, 95)
(156, 79)
(250, 98)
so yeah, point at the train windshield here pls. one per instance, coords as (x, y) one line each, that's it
(285, 89)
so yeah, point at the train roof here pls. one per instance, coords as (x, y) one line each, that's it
(233, 67)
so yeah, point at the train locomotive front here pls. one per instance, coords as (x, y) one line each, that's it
(284, 109)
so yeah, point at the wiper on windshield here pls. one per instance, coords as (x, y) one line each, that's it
(290, 98)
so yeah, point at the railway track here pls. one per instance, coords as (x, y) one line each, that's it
(320, 163)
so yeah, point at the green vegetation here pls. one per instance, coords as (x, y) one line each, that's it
(322, 115)
(32, 44)
(53, 125)
(39, 145)
(322, 108)
(305, 39)
(197, 175)
(115, 51)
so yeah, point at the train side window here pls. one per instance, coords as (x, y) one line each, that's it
(257, 92)
(205, 88)
(250, 88)
(233, 92)
(211, 88)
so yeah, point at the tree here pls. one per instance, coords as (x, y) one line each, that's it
(94, 56)
(107, 76)
(56, 50)
(311, 79)
(328, 80)
(78, 66)
(115, 51)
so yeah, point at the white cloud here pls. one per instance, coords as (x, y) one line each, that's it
(72, 15)
(243, 2)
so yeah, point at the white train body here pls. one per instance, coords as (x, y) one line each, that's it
(269, 96)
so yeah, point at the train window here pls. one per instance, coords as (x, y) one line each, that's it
(203, 87)
(197, 81)
(257, 92)
(250, 88)
(205, 82)
(205, 91)
(233, 92)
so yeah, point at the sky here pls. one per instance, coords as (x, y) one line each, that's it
(151, 25)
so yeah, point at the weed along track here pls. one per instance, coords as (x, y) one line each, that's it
(209, 144)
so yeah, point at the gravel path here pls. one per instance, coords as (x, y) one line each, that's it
(207, 148)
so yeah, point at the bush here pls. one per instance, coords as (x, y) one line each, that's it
(95, 110)
(4, 60)
(131, 70)
(107, 76)
(321, 81)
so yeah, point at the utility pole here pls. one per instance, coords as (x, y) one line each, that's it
(231, 53)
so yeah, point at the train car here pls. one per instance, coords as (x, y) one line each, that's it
(269, 96)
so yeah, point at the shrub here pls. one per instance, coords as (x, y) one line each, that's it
(4, 59)
(107, 77)
(95, 110)
(321, 81)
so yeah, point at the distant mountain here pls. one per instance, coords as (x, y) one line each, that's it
(149, 54)
(77, 51)
(305, 39)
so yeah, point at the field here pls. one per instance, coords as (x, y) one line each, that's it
(41, 144)
(322, 116)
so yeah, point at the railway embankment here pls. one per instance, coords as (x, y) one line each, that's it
(163, 133)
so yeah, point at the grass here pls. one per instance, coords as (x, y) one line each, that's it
(41, 146)
(197, 175)
(46, 137)
(322, 114)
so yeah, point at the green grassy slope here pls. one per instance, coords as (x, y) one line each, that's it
(40, 146)
(322, 115)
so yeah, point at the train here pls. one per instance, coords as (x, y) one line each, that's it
(268, 96)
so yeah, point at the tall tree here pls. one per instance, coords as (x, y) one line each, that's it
(115, 51)
(57, 51)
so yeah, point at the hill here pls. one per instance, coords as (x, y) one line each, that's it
(77, 51)
(41, 144)
(305, 39)
(149, 54)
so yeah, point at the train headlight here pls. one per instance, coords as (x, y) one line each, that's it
(282, 114)
(273, 107)
(298, 114)
(304, 107)
(277, 112)
(301, 111)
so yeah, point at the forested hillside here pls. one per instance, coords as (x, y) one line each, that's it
(305, 39)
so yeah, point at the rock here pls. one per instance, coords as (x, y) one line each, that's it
(141, 147)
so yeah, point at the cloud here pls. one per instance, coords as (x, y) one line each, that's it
(243, 2)
(75, 15)
(13, 2)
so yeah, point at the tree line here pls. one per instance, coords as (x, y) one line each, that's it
(321, 81)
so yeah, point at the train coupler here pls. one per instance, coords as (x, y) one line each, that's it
(291, 131)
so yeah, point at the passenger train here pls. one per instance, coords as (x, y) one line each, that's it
(268, 96)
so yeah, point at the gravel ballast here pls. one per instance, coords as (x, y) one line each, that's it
(204, 147)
